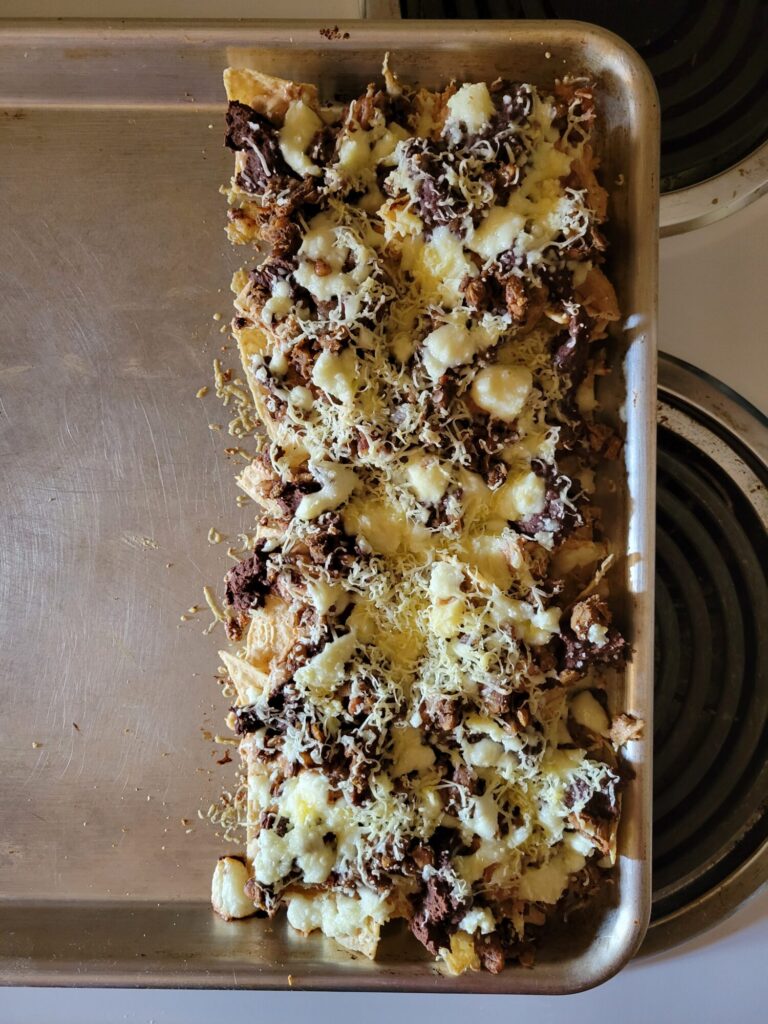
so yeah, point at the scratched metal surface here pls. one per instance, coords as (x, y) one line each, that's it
(111, 274)
(113, 260)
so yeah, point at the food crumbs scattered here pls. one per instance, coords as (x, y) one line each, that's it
(36, 745)
(202, 392)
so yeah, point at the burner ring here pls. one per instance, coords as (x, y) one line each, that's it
(689, 208)
(711, 720)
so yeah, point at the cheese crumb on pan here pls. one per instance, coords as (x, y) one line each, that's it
(420, 690)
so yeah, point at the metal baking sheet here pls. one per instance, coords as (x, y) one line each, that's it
(113, 261)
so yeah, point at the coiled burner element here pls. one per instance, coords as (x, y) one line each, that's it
(710, 829)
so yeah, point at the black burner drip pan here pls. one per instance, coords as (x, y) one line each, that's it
(710, 828)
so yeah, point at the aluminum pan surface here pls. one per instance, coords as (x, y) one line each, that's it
(114, 259)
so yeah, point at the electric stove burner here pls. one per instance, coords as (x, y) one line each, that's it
(707, 58)
(710, 829)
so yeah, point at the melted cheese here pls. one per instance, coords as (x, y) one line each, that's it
(481, 815)
(537, 211)
(479, 919)
(323, 673)
(445, 582)
(384, 529)
(338, 482)
(471, 107)
(428, 478)
(410, 754)
(498, 232)
(335, 374)
(440, 267)
(455, 344)
(502, 390)
(362, 150)
(447, 613)
(310, 816)
(588, 712)
(354, 921)
(597, 634)
(326, 596)
(299, 128)
(520, 496)
(328, 246)
(547, 883)
(488, 554)
(228, 889)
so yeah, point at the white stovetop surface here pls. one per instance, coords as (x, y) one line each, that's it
(713, 313)
(713, 299)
